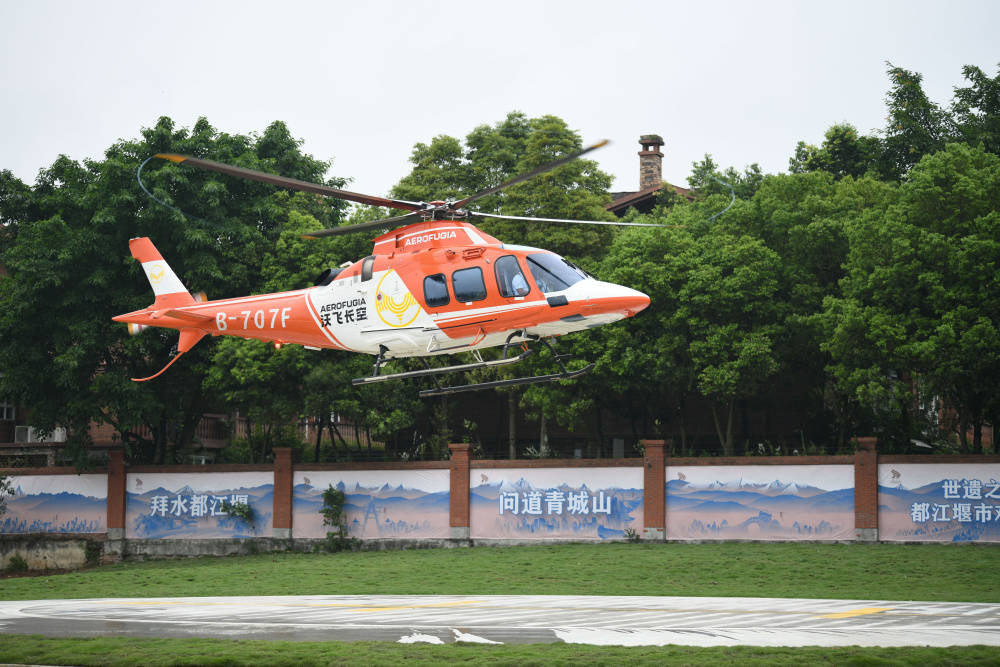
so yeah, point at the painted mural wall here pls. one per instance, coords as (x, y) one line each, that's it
(944, 502)
(191, 505)
(56, 504)
(760, 502)
(380, 503)
(555, 503)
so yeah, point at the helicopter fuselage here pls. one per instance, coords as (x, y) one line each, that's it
(435, 287)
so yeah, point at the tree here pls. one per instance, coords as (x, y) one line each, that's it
(646, 362)
(916, 126)
(920, 313)
(976, 109)
(728, 302)
(65, 247)
(511, 147)
(707, 179)
(951, 208)
(843, 153)
(803, 218)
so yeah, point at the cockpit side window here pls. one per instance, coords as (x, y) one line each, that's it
(510, 279)
(436, 291)
(552, 273)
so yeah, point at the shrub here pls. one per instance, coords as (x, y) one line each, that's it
(241, 511)
(16, 564)
(334, 516)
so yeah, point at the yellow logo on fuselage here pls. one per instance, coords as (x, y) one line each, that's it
(394, 303)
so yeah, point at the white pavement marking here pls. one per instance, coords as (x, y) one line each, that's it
(417, 637)
(629, 621)
(472, 639)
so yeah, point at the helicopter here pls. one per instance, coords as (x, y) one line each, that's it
(433, 285)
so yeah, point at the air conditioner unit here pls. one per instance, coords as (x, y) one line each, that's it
(27, 434)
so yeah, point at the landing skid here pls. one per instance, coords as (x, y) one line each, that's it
(438, 390)
(535, 379)
(444, 369)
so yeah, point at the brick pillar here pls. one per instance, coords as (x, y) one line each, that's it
(654, 491)
(459, 491)
(866, 491)
(282, 517)
(115, 546)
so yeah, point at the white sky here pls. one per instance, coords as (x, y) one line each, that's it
(363, 82)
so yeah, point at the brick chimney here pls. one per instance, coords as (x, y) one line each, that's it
(650, 161)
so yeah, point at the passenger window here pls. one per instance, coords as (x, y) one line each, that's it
(510, 279)
(436, 291)
(468, 284)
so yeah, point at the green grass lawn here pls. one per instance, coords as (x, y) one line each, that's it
(880, 572)
(156, 652)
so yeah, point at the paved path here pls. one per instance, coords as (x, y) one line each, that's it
(629, 621)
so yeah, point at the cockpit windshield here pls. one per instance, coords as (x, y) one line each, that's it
(552, 273)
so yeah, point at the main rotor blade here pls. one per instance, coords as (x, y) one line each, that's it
(292, 183)
(572, 222)
(531, 174)
(374, 224)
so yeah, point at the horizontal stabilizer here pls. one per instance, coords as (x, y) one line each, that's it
(196, 318)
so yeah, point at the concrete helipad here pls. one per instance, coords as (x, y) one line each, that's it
(629, 621)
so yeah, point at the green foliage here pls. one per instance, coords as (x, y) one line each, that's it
(16, 564)
(916, 126)
(5, 490)
(531, 452)
(493, 154)
(65, 246)
(707, 179)
(710, 328)
(93, 551)
(859, 289)
(976, 109)
(843, 153)
(335, 517)
(920, 297)
(241, 511)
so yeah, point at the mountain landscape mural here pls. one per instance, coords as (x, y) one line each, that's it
(939, 502)
(612, 498)
(760, 502)
(379, 504)
(56, 504)
(166, 505)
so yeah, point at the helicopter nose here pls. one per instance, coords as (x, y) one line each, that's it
(611, 298)
(631, 301)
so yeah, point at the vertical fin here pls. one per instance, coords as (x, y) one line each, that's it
(168, 288)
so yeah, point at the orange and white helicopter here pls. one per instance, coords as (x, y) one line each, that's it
(436, 285)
